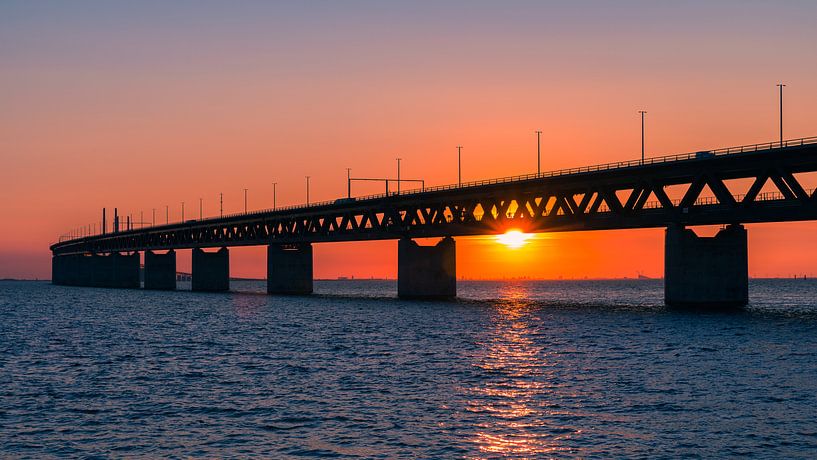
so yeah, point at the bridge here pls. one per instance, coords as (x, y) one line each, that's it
(710, 271)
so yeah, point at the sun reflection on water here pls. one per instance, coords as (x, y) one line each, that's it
(512, 397)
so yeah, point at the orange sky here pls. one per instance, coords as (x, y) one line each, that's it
(148, 105)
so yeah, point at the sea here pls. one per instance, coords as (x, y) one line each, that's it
(511, 369)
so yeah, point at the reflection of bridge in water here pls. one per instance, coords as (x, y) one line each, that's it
(673, 192)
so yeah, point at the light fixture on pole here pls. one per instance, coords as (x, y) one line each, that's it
(221, 204)
(642, 112)
(201, 209)
(245, 201)
(274, 198)
(348, 182)
(538, 153)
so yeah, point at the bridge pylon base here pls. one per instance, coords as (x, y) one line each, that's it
(426, 271)
(704, 272)
(211, 270)
(160, 270)
(289, 269)
(94, 270)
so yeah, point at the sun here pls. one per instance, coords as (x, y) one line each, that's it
(513, 239)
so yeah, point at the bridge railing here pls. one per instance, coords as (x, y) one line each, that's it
(703, 154)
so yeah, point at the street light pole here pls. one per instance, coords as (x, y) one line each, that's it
(182, 211)
(153, 222)
(167, 214)
(538, 153)
(781, 85)
(274, 198)
(307, 190)
(642, 112)
(348, 182)
(459, 165)
(245, 201)
(398, 175)
(201, 209)
(221, 204)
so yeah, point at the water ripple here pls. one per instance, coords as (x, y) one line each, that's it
(511, 369)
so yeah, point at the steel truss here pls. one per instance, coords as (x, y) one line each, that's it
(628, 197)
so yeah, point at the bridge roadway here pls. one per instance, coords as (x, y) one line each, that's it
(632, 194)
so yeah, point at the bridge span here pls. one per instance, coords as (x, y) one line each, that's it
(673, 192)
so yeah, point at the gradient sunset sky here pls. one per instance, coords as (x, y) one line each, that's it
(145, 104)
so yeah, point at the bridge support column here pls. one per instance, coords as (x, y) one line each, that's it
(115, 270)
(160, 270)
(706, 272)
(426, 271)
(58, 270)
(67, 270)
(289, 269)
(211, 270)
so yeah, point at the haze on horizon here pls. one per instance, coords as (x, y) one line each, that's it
(148, 104)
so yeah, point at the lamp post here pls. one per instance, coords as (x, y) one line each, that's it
(245, 201)
(201, 209)
(182, 211)
(538, 153)
(781, 85)
(221, 204)
(167, 214)
(307, 190)
(459, 165)
(348, 182)
(274, 198)
(153, 222)
(642, 112)
(398, 175)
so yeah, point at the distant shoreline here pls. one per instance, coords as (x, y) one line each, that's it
(464, 279)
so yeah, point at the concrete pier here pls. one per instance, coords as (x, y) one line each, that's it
(211, 270)
(426, 271)
(289, 269)
(706, 272)
(160, 270)
(115, 270)
(65, 270)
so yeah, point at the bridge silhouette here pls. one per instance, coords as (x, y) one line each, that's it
(631, 194)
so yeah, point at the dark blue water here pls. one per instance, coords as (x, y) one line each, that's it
(517, 369)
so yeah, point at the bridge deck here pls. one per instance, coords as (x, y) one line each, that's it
(629, 194)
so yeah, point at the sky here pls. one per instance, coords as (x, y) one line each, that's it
(143, 105)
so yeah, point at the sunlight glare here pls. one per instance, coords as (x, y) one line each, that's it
(513, 239)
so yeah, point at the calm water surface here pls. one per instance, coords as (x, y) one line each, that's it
(517, 369)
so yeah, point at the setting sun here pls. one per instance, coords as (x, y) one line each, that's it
(513, 239)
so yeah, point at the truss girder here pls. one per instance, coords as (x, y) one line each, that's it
(627, 198)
